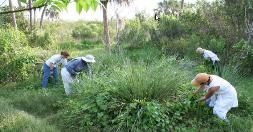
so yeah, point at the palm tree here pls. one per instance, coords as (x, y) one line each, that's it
(105, 20)
(13, 15)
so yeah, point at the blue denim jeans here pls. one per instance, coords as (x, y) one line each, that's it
(47, 73)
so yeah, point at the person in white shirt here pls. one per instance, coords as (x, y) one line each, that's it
(51, 66)
(210, 56)
(221, 95)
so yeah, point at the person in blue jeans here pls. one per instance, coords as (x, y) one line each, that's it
(51, 67)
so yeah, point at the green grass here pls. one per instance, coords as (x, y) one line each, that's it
(130, 82)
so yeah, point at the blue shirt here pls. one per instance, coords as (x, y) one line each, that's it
(77, 65)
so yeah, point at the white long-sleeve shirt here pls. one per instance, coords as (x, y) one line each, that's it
(56, 60)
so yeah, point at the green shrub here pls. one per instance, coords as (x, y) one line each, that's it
(137, 33)
(41, 38)
(16, 57)
(243, 57)
(170, 27)
(88, 31)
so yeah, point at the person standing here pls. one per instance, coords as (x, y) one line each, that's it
(72, 68)
(221, 95)
(210, 56)
(51, 67)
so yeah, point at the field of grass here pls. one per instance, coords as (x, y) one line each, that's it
(139, 89)
(138, 77)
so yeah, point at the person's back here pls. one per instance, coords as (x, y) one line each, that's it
(209, 54)
(76, 65)
(226, 90)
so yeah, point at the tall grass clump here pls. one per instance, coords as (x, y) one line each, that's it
(133, 96)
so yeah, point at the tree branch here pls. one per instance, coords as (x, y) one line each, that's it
(21, 10)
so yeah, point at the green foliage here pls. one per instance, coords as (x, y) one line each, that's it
(16, 56)
(243, 57)
(137, 33)
(17, 120)
(170, 27)
(41, 38)
(6, 20)
(87, 31)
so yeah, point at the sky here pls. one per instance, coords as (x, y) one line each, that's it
(137, 6)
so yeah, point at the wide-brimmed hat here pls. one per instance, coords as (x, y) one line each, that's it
(200, 50)
(199, 79)
(89, 58)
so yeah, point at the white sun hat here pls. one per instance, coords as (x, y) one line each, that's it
(89, 58)
(200, 50)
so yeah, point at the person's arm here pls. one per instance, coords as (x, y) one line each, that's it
(51, 66)
(199, 89)
(64, 62)
(210, 93)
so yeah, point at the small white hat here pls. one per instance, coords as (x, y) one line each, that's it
(89, 58)
(200, 50)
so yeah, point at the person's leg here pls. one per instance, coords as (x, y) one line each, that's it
(67, 88)
(67, 81)
(46, 74)
(220, 112)
(55, 74)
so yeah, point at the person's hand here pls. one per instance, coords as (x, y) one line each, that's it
(200, 99)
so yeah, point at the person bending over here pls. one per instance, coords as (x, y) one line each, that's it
(210, 56)
(221, 95)
(51, 66)
(72, 68)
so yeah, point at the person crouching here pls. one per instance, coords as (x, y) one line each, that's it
(221, 95)
(72, 68)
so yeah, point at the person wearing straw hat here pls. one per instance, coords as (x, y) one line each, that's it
(72, 68)
(221, 95)
(209, 55)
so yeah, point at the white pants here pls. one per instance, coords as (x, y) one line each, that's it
(67, 81)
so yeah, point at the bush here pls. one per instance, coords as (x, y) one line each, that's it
(137, 33)
(16, 57)
(87, 31)
(41, 38)
(243, 57)
(170, 27)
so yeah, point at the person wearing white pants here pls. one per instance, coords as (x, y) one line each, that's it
(221, 95)
(72, 68)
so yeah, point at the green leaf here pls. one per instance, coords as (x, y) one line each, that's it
(78, 6)
(93, 4)
(85, 5)
(39, 2)
(60, 5)
(54, 6)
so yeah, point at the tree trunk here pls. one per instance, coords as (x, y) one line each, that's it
(13, 15)
(30, 6)
(42, 15)
(34, 17)
(182, 4)
(106, 28)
